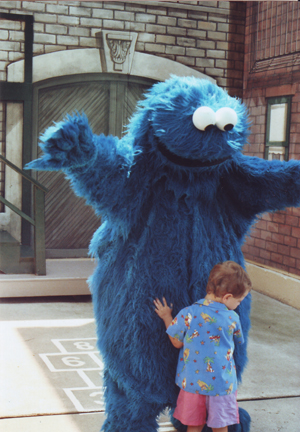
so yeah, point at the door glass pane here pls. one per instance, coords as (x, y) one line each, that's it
(278, 122)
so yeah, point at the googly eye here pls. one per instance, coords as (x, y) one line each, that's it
(226, 119)
(204, 118)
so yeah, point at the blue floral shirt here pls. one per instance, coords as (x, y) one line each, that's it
(208, 330)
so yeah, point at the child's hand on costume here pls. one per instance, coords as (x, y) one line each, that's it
(164, 311)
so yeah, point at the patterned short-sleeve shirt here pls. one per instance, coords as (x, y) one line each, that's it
(208, 331)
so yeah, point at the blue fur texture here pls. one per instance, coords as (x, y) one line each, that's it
(165, 225)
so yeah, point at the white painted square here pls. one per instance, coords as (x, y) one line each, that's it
(72, 361)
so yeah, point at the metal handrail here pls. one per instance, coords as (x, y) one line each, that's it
(16, 210)
(23, 174)
(39, 217)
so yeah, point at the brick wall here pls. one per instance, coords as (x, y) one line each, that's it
(206, 36)
(275, 239)
(12, 40)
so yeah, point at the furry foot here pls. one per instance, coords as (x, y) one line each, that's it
(178, 425)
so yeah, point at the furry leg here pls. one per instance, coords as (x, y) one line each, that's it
(245, 420)
(128, 411)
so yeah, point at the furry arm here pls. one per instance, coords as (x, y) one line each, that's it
(97, 166)
(258, 186)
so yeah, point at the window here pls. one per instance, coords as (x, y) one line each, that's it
(278, 128)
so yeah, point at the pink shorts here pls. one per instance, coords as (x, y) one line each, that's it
(217, 411)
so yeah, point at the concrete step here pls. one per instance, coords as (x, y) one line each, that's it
(69, 276)
(64, 277)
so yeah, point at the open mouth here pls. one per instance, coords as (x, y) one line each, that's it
(186, 162)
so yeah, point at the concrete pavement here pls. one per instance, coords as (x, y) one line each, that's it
(51, 370)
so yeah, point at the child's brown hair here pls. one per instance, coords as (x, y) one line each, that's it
(228, 278)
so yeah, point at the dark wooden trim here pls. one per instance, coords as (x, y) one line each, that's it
(15, 92)
(39, 232)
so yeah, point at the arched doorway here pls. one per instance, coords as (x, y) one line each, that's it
(65, 81)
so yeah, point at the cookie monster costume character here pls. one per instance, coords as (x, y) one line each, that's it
(176, 196)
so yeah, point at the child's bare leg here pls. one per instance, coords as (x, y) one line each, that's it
(195, 428)
(223, 429)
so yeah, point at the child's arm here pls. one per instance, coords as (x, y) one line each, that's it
(165, 313)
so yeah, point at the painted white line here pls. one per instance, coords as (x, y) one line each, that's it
(86, 379)
(73, 399)
(80, 343)
(73, 361)
(94, 356)
(92, 398)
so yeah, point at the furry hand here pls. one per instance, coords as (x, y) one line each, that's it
(68, 144)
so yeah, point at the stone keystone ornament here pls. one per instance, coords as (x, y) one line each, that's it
(118, 49)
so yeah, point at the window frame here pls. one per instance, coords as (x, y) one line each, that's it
(275, 101)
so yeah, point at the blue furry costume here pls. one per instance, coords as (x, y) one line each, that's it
(176, 196)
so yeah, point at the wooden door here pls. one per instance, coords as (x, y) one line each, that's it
(108, 104)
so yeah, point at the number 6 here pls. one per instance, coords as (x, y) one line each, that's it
(73, 361)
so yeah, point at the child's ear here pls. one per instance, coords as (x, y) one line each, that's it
(227, 296)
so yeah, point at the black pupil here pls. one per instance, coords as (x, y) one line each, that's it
(209, 127)
(228, 127)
